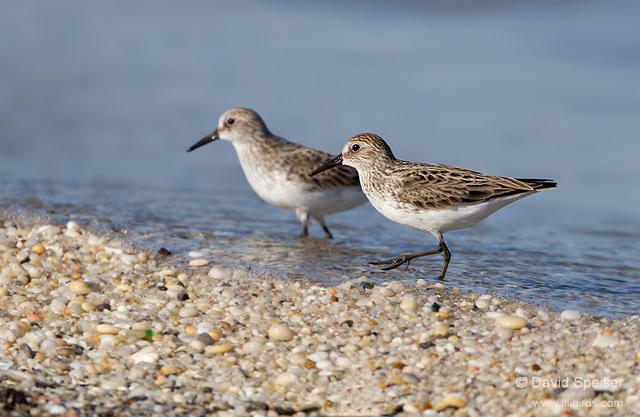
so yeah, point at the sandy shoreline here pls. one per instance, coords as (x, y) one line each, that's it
(89, 327)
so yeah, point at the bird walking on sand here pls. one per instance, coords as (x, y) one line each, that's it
(277, 170)
(433, 198)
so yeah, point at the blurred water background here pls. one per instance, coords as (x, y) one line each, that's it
(99, 101)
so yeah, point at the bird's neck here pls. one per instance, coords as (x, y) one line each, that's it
(374, 174)
(255, 149)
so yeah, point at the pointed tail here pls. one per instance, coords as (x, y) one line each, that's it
(539, 184)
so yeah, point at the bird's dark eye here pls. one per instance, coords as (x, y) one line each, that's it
(230, 121)
(355, 147)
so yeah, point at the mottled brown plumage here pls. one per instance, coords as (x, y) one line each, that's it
(429, 186)
(439, 186)
(430, 197)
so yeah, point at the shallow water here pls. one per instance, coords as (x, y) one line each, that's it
(99, 102)
(556, 266)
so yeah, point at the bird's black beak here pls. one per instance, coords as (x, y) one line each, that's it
(331, 163)
(207, 139)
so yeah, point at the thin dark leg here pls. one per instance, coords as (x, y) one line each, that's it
(402, 259)
(406, 259)
(305, 226)
(327, 232)
(447, 258)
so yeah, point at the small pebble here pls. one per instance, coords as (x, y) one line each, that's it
(603, 341)
(449, 401)
(218, 272)
(387, 292)
(343, 362)
(38, 249)
(280, 332)
(197, 346)
(440, 330)
(482, 304)
(79, 287)
(145, 356)
(253, 347)
(205, 339)
(442, 315)
(103, 307)
(27, 351)
(570, 315)
(408, 303)
(367, 285)
(198, 262)
(33, 317)
(188, 311)
(285, 379)
(511, 322)
(164, 252)
(107, 329)
(215, 334)
(504, 333)
(73, 226)
(171, 370)
(55, 409)
(218, 349)
(48, 347)
(410, 378)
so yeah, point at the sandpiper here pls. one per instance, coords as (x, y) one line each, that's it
(434, 198)
(277, 170)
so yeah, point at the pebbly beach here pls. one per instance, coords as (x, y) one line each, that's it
(91, 325)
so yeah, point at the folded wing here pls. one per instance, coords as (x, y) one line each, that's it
(432, 186)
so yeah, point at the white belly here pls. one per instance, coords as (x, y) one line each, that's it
(275, 188)
(437, 221)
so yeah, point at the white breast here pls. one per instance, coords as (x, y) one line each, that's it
(275, 187)
(271, 185)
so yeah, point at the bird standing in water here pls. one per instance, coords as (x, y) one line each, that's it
(277, 170)
(433, 198)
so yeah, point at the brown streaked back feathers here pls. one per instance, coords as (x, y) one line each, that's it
(299, 160)
(429, 186)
